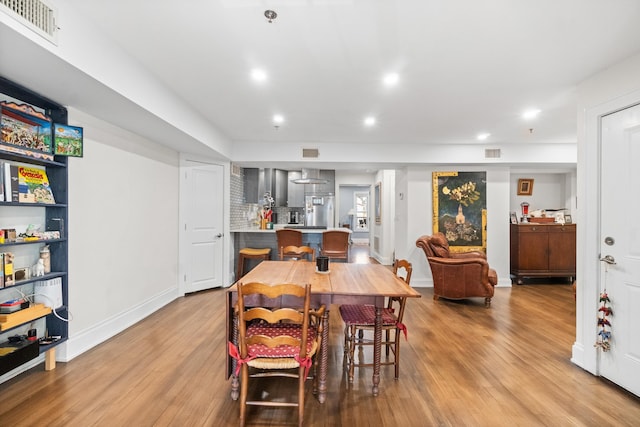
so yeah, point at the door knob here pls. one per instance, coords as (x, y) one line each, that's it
(608, 259)
(219, 235)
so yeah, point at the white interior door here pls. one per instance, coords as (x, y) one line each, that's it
(620, 239)
(204, 227)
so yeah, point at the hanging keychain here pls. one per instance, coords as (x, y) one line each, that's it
(603, 340)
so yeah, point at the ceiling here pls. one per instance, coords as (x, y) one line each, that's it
(465, 66)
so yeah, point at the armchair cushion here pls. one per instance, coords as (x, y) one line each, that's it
(440, 246)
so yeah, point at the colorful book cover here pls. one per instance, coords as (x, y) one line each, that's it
(33, 186)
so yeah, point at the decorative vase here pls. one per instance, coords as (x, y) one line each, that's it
(460, 217)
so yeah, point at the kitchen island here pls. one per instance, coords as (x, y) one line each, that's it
(256, 238)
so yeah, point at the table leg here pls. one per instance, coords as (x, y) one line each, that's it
(324, 358)
(377, 349)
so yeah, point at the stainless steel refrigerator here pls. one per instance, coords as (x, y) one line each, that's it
(319, 211)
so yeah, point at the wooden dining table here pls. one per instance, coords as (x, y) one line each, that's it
(344, 283)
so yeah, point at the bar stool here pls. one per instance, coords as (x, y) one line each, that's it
(245, 253)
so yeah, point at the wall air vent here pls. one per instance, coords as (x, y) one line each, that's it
(492, 153)
(36, 15)
(235, 170)
(312, 153)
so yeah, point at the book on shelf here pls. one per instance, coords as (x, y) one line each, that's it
(11, 192)
(33, 186)
(2, 199)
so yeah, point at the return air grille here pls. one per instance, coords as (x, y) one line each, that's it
(310, 153)
(492, 153)
(35, 15)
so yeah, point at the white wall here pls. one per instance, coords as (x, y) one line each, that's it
(123, 232)
(550, 191)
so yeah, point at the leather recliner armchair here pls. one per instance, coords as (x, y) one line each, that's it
(457, 275)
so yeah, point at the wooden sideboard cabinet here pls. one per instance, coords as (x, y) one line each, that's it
(543, 250)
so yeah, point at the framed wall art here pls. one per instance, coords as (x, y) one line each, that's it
(525, 187)
(460, 209)
(67, 140)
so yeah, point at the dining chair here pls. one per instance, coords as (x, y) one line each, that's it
(360, 318)
(306, 253)
(335, 244)
(288, 237)
(275, 341)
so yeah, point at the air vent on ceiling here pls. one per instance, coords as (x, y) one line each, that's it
(310, 153)
(36, 15)
(492, 153)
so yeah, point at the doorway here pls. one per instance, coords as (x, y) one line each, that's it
(354, 211)
(202, 226)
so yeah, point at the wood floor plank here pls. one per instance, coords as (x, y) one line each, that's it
(463, 365)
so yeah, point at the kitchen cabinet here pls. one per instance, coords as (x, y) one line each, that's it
(295, 192)
(26, 251)
(259, 181)
(250, 180)
(280, 187)
(330, 186)
(542, 250)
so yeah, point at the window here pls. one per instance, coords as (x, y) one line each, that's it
(361, 219)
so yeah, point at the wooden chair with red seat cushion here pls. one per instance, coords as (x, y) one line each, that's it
(359, 319)
(457, 275)
(275, 342)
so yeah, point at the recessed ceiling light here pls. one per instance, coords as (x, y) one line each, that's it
(530, 114)
(278, 119)
(391, 79)
(369, 121)
(258, 75)
(483, 136)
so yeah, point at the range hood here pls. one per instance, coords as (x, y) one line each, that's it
(310, 176)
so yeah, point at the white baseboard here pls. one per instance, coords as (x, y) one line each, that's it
(91, 337)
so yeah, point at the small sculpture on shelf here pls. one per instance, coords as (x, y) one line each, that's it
(38, 268)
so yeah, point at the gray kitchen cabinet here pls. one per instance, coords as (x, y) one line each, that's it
(295, 192)
(250, 180)
(330, 186)
(280, 187)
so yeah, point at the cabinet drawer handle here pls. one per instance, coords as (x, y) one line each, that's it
(533, 228)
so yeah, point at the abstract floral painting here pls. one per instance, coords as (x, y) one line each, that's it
(460, 209)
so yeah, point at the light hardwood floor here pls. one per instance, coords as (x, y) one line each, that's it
(463, 365)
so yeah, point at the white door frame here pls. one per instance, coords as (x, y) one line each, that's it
(187, 161)
(584, 354)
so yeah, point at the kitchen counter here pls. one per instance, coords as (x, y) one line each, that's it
(279, 226)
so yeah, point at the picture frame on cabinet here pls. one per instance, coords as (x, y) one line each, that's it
(567, 219)
(513, 218)
(525, 187)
